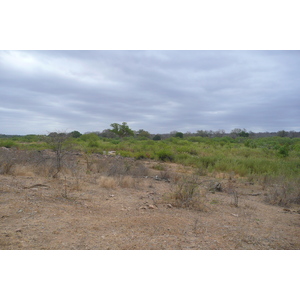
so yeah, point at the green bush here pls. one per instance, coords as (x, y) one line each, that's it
(179, 135)
(141, 155)
(115, 142)
(75, 134)
(283, 151)
(89, 137)
(93, 144)
(208, 161)
(165, 155)
(8, 144)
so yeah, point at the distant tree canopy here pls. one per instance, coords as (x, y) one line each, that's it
(121, 130)
(107, 133)
(202, 133)
(57, 136)
(157, 137)
(143, 133)
(282, 133)
(179, 135)
(239, 132)
(75, 134)
(244, 134)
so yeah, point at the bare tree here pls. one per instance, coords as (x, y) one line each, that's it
(58, 143)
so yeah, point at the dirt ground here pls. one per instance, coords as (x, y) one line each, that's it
(97, 212)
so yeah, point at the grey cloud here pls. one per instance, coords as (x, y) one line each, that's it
(159, 91)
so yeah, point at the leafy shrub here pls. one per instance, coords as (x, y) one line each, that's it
(165, 155)
(115, 142)
(141, 155)
(75, 134)
(8, 144)
(89, 137)
(93, 144)
(158, 167)
(208, 161)
(283, 151)
(193, 152)
(179, 135)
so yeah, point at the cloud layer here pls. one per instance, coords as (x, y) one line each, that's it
(159, 91)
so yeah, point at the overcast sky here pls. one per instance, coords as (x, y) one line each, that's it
(158, 91)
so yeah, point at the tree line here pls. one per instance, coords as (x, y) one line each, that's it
(123, 130)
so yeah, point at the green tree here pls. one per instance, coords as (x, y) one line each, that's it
(202, 133)
(244, 133)
(284, 151)
(143, 133)
(239, 132)
(179, 135)
(282, 133)
(107, 133)
(75, 134)
(121, 130)
(157, 137)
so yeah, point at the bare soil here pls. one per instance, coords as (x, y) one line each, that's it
(134, 212)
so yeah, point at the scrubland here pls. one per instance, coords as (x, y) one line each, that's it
(192, 193)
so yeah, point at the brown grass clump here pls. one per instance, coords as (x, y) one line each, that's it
(128, 182)
(284, 193)
(108, 182)
(186, 193)
(23, 171)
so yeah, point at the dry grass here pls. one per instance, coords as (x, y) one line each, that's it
(108, 182)
(23, 171)
(8, 160)
(283, 192)
(128, 182)
(186, 193)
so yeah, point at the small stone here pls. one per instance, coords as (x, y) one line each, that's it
(218, 187)
(19, 211)
(125, 208)
(169, 205)
(215, 187)
(19, 230)
(143, 207)
(152, 207)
